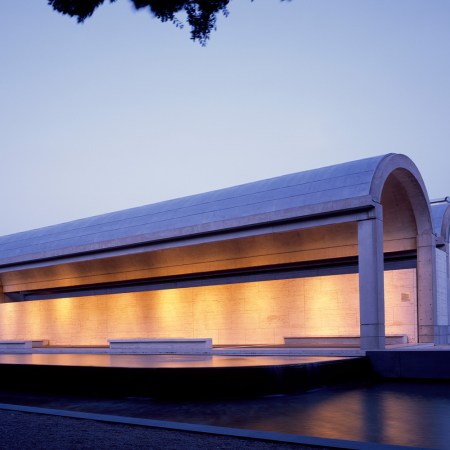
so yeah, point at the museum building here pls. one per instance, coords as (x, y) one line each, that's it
(354, 249)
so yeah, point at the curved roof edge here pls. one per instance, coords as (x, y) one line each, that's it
(390, 163)
(328, 190)
(404, 169)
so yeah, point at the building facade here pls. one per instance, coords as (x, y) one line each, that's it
(345, 250)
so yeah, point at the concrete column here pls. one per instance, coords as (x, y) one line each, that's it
(429, 330)
(371, 283)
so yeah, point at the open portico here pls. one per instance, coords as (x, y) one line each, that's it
(307, 254)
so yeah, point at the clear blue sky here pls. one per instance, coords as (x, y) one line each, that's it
(124, 110)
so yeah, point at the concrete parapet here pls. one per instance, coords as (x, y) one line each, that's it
(16, 344)
(162, 346)
(329, 341)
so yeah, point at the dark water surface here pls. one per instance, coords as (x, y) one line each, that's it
(414, 414)
(161, 361)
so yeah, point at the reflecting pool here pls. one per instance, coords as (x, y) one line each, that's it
(412, 414)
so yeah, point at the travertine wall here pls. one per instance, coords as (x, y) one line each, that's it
(401, 303)
(442, 287)
(247, 313)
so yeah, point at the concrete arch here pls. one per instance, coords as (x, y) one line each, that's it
(401, 168)
(406, 211)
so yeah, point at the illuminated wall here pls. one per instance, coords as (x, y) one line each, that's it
(401, 303)
(247, 313)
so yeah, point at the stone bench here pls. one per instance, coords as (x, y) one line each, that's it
(187, 346)
(17, 344)
(329, 341)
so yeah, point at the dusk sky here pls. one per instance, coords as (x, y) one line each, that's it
(124, 110)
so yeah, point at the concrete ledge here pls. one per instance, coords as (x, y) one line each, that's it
(162, 346)
(420, 364)
(16, 344)
(329, 341)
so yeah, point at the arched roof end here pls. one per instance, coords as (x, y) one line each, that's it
(404, 169)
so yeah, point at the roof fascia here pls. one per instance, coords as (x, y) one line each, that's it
(352, 212)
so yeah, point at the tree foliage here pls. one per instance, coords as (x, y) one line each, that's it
(201, 15)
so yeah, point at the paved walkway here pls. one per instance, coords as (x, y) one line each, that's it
(25, 431)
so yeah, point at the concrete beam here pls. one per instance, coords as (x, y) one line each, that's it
(349, 213)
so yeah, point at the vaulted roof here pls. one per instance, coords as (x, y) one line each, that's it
(347, 186)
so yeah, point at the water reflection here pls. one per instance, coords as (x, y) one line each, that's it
(411, 414)
(159, 361)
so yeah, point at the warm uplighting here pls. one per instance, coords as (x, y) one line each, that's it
(244, 313)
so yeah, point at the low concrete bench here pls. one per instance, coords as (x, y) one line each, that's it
(329, 341)
(16, 344)
(187, 346)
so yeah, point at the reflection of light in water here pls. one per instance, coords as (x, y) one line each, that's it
(409, 416)
(392, 413)
(179, 360)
